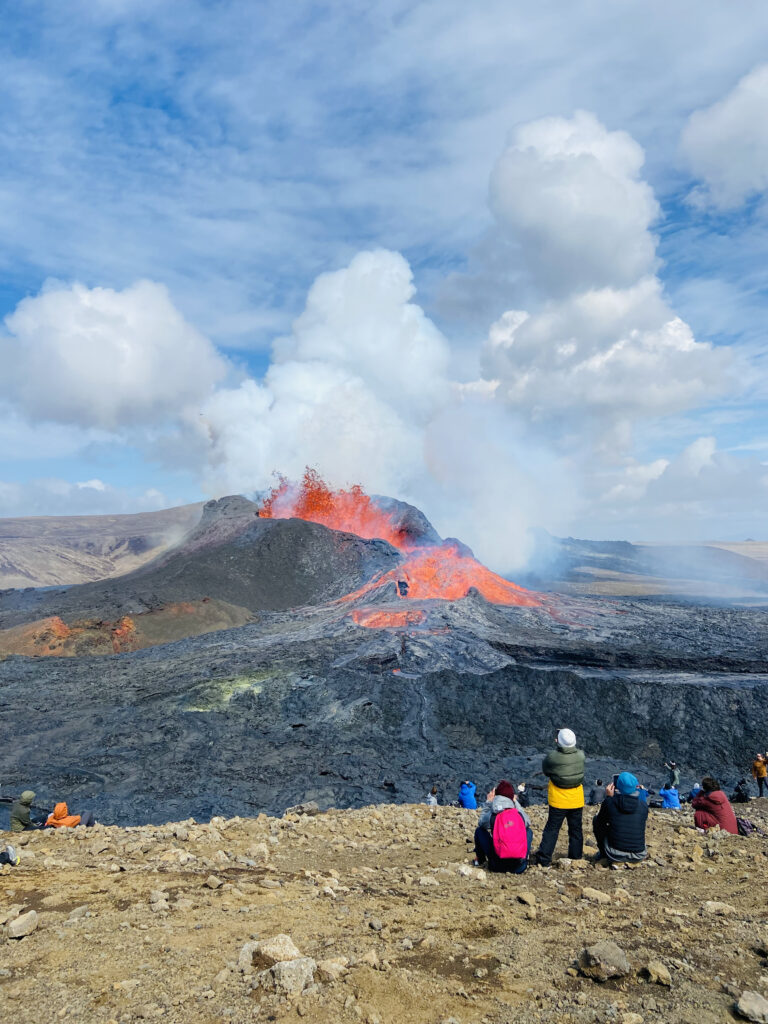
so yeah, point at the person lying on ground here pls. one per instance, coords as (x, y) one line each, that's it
(503, 836)
(619, 825)
(21, 813)
(670, 798)
(711, 808)
(9, 856)
(61, 818)
(467, 797)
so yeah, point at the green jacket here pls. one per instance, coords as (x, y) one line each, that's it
(20, 812)
(564, 767)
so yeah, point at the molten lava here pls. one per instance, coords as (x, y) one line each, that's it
(375, 618)
(352, 510)
(444, 571)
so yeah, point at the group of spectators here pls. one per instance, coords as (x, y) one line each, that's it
(504, 837)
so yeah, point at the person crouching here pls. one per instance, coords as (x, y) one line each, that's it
(503, 835)
(619, 825)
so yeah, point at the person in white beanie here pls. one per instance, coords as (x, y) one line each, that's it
(564, 767)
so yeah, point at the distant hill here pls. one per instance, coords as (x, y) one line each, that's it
(49, 551)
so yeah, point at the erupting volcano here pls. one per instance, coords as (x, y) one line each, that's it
(446, 571)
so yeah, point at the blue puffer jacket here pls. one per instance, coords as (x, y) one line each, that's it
(467, 795)
(670, 797)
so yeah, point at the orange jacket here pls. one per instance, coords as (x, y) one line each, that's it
(759, 769)
(61, 818)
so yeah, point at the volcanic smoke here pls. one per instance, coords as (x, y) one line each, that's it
(445, 571)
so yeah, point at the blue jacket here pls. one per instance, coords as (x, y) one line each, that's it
(467, 795)
(670, 797)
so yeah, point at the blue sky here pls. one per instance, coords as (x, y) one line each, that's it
(231, 152)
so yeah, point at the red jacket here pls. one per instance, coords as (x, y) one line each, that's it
(714, 809)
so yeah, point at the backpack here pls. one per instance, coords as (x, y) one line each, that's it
(748, 828)
(510, 840)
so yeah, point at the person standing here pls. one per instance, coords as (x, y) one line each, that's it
(759, 772)
(673, 781)
(564, 767)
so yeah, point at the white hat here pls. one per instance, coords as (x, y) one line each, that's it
(566, 738)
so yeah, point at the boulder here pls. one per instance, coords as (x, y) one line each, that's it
(310, 808)
(603, 960)
(752, 1006)
(23, 925)
(657, 973)
(717, 909)
(595, 895)
(289, 977)
(275, 950)
(332, 970)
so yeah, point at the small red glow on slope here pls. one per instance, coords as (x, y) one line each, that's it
(441, 571)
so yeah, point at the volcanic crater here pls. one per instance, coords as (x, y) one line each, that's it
(330, 646)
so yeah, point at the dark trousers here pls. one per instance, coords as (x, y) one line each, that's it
(484, 851)
(555, 818)
(760, 784)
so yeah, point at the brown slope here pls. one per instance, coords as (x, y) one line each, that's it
(46, 551)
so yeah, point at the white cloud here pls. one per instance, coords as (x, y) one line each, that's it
(700, 494)
(726, 144)
(52, 496)
(569, 193)
(361, 320)
(604, 355)
(348, 392)
(103, 358)
(599, 349)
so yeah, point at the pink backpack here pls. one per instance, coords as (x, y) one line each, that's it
(510, 839)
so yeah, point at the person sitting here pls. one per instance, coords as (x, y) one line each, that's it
(670, 798)
(467, 797)
(596, 794)
(712, 809)
(740, 794)
(9, 856)
(523, 797)
(503, 835)
(61, 818)
(695, 790)
(619, 825)
(21, 813)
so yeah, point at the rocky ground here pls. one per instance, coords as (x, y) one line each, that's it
(383, 920)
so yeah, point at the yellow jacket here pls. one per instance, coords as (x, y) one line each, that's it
(565, 799)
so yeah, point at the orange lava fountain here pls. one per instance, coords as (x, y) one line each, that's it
(352, 510)
(442, 571)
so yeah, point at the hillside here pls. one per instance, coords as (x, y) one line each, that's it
(49, 551)
(392, 924)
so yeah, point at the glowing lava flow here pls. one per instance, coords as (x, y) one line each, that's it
(349, 510)
(444, 571)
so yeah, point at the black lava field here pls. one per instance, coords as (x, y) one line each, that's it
(307, 703)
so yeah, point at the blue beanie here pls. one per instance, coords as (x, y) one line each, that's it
(626, 783)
